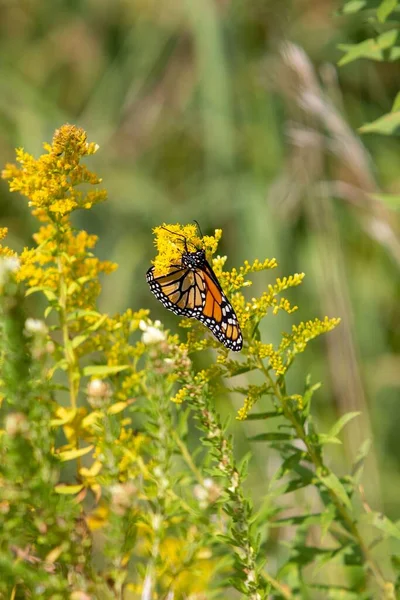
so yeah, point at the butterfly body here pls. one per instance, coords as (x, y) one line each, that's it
(191, 289)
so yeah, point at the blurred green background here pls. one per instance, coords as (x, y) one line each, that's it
(234, 113)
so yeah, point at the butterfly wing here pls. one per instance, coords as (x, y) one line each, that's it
(217, 313)
(197, 293)
(182, 291)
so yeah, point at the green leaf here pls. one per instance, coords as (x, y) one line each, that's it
(103, 370)
(371, 48)
(61, 364)
(264, 415)
(290, 486)
(98, 323)
(78, 340)
(116, 408)
(396, 103)
(353, 6)
(72, 454)
(338, 592)
(76, 285)
(382, 523)
(333, 483)
(384, 9)
(308, 394)
(271, 436)
(297, 520)
(325, 438)
(77, 314)
(327, 518)
(68, 416)
(385, 125)
(48, 292)
(391, 200)
(344, 419)
(288, 465)
(337, 555)
(47, 311)
(236, 368)
(50, 295)
(64, 488)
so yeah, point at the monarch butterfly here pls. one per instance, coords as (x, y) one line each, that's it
(191, 289)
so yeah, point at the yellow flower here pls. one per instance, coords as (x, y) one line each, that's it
(253, 393)
(5, 250)
(66, 259)
(172, 240)
(180, 396)
(50, 182)
(302, 333)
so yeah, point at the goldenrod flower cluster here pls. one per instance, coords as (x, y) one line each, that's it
(171, 241)
(253, 393)
(5, 251)
(50, 182)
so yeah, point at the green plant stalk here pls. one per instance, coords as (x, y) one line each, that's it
(159, 402)
(245, 549)
(320, 465)
(73, 369)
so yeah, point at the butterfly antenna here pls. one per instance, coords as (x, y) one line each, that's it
(198, 227)
(179, 234)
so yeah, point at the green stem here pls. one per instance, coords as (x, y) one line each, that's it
(72, 370)
(72, 363)
(320, 465)
(240, 525)
(188, 459)
(284, 592)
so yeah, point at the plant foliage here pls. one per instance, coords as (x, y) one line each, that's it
(104, 490)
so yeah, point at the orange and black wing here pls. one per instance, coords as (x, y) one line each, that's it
(217, 313)
(198, 294)
(182, 291)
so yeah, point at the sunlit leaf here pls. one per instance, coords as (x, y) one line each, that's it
(72, 454)
(344, 419)
(103, 370)
(381, 522)
(385, 125)
(64, 415)
(78, 340)
(384, 9)
(396, 103)
(391, 200)
(353, 6)
(308, 394)
(325, 438)
(64, 488)
(117, 408)
(371, 48)
(333, 483)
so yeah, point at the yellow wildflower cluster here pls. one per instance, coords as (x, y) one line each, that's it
(62, 265)
(50, 182)
(65, 258)
(235, 279)
(304, 332)
(172, 240)
(5, 251)
(253, 394)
